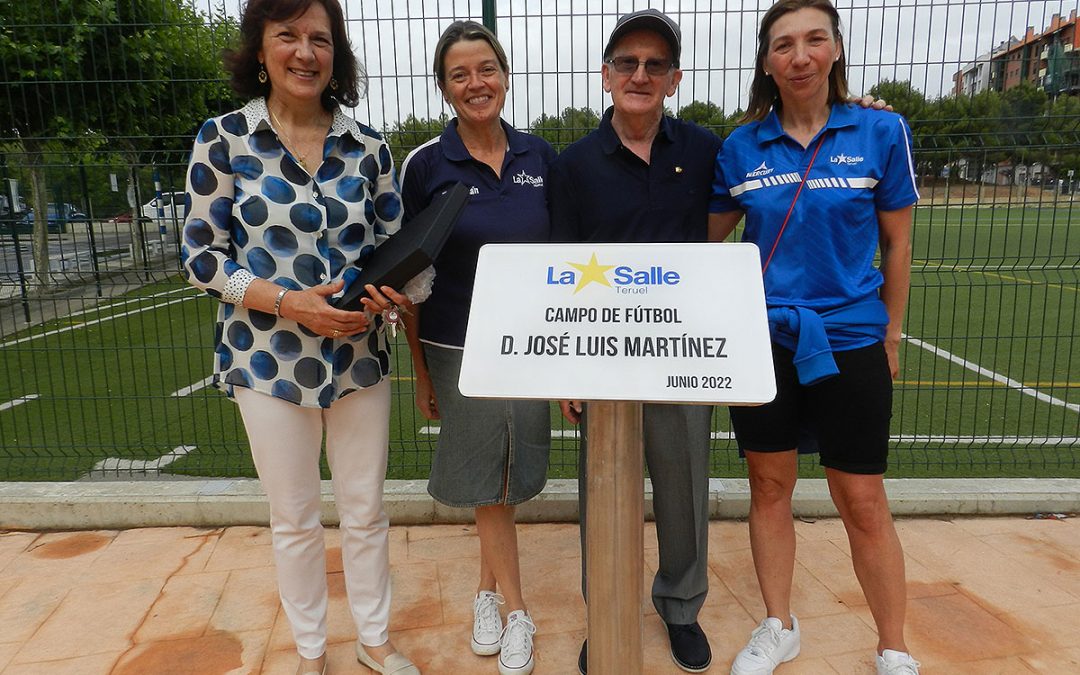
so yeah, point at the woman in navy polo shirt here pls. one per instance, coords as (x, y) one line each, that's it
(824, 186)
(490, 455)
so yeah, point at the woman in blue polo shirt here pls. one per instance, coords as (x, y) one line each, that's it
(824, 186)
(490, 455)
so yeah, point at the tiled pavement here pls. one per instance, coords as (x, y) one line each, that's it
(986, 596)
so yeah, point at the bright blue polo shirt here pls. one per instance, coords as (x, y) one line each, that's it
(602, 192)
(824, 260)
(512, 207)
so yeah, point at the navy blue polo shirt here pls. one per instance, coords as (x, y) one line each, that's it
(603, 192)
(511, 207)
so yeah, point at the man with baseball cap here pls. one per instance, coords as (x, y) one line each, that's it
(645, 177)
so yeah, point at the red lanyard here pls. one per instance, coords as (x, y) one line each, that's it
(792, 207)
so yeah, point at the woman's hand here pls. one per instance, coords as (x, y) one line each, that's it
(425, 397)
(571, 410)
(383, 299)
(311, 308)
(892, 352)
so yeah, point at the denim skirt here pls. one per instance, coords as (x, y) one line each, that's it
(489, 451)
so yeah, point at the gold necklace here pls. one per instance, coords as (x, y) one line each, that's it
(288, 141)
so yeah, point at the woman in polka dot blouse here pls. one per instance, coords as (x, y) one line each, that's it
(287, 199)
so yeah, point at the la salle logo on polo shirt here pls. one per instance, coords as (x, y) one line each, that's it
(525, 179)
(846, 159)
(760, 171)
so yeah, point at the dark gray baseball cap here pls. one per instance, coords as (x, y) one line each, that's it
(647, 19)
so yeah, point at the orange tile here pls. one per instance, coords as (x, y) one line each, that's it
(60, 554)
(1012, 665)
(559, 540)
(457, 588)
(1049, 627)
(83, 665)
(825, 636)
(820, 529)
(216, 653)
(184, 608)
(7, 652)
(416, 600)
(421, 532)
(14, 543)
(249, 602)
(143, 559)
(988, 576)
(28, 603)
(804, 665)
(955, 627)
(444, 548)
(92, 619)
(1048, 558)
(440, 649)
(555, 652)
(399, 545)
(728, 535)
(1054, 663)
(240, 548)
(552, 589)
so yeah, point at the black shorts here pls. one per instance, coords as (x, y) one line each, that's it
(848, 414)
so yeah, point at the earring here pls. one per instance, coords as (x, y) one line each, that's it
(263, 77)
(333, 84)
(766, 73)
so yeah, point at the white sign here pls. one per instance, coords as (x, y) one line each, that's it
(676, 323)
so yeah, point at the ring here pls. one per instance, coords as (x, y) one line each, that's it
(336, 332)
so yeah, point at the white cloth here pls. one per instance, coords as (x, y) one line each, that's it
(286, 441)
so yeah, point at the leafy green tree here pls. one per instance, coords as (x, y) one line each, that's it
(140, 74)
(563, 129)
(403, 137)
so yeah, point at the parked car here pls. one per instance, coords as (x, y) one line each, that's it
(59, 217)
(172, 204)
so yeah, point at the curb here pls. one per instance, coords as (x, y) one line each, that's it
(227, 501)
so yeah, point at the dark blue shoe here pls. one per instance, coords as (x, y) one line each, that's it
(689, 647)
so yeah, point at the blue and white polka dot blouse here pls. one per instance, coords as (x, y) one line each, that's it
(250, 206)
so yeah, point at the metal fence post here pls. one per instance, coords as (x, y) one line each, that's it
(489, 15)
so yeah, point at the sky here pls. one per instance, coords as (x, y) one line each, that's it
(555, 47)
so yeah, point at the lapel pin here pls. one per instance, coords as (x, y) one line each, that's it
(678, 169)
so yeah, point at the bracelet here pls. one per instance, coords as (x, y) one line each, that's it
(277, 302)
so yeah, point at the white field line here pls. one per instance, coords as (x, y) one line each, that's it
(114, 467)
(953, 440)
(18, 401)
(989, 440)
(94, 322)
(191, 389)
(997, 377)
(102, 308)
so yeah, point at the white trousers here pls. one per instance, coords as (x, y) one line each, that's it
(286, 442)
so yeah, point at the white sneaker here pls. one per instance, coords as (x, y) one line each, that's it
(516, 646)
(896, 663)
(487, 626)
(770, 645)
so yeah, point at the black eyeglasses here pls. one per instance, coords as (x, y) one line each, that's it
(627, 65)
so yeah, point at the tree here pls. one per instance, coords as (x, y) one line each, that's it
(563, 129)
(411, 133)
(142, 74)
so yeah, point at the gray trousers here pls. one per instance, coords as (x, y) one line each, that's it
(676, 440)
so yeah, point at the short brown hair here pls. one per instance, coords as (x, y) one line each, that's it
(763, 90)
(243, 63)
(465, 30)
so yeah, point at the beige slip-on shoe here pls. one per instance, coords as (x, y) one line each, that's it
(395, 664)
